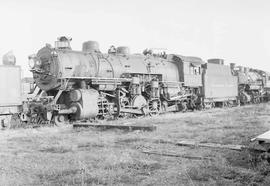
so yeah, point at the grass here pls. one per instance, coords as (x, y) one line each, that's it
(64, 156)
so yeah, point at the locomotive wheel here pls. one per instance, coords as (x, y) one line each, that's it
(60, 120)
(154, 107)
(37, 120)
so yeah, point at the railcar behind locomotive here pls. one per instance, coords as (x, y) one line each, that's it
(10, 86)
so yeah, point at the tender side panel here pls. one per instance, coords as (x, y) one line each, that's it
(10, 85)
(219, 83)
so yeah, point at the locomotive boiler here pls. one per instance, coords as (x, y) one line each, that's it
(87, 84)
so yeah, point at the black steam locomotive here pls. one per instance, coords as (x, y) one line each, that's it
(88, 84)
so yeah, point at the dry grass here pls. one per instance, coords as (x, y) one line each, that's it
(64, 156)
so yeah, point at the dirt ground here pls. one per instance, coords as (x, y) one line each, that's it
(67, 156)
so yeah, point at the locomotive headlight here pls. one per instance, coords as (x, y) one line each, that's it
(37, 62)
(31, 63)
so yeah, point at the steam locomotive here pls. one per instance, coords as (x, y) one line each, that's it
(81, 85)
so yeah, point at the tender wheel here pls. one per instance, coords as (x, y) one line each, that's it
(209, 105)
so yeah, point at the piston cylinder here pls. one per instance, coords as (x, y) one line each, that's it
(75, 95)
(87, 107)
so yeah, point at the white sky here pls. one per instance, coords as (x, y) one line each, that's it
(236, 30)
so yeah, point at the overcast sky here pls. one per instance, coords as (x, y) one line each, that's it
(236, 30)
